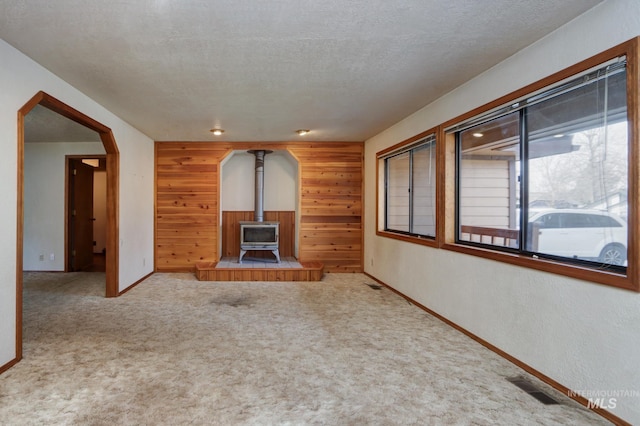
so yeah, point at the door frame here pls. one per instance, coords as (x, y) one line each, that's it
(67, 200)
(113, 177)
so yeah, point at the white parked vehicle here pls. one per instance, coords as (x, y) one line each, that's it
(582, 234)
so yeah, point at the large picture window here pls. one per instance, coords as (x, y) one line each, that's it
(547, 175)
(410, 188)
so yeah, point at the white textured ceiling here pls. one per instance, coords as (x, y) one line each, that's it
(260, 69)
(44, 125)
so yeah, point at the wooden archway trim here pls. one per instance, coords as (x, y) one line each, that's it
(113, 179)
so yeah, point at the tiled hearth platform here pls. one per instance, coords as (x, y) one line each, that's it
(289, 269)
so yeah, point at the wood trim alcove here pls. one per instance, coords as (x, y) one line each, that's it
(113, 176)
(187, 202)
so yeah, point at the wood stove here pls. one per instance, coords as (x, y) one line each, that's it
(259, 236)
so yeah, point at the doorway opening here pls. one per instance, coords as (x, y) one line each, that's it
(111, 166)
(85, 239)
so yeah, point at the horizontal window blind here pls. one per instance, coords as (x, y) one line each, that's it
(601, 72)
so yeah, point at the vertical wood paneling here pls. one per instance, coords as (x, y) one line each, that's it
(187, 194)
(331, 205)
(330, 210)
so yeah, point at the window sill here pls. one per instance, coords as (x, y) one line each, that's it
(425, 241)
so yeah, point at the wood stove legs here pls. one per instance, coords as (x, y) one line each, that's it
(276, 253)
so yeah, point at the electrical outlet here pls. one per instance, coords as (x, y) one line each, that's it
(41, 257)
(52, 256)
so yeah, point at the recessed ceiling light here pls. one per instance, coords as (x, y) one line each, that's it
(478, 135)
(302, 132)
(217, 132)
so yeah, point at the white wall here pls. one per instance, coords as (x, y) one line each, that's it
(238, 182)
(585, 336)
(20, 80)
(44, 185)
(280, 185)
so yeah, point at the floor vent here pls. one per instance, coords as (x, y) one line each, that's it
(532, 390)
(375, 286)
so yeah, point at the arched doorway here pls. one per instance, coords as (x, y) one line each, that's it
(112, 169)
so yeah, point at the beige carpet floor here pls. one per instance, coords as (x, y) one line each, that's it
(175, 351)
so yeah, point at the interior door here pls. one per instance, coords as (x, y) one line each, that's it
(80, 215)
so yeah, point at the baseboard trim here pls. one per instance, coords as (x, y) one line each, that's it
(9, 365)
(135, 284)
(548, 380)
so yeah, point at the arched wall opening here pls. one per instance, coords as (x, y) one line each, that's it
(281, 186)
(112, 178)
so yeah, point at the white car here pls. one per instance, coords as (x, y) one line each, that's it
(582, 234)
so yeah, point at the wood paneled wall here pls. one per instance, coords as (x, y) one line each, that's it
(331, 205)
(188, 194)
(187, 198)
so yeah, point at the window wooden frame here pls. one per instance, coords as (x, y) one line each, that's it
(629, 280)
(380, 192)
